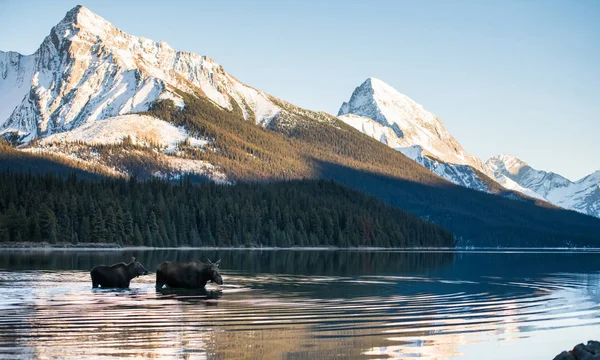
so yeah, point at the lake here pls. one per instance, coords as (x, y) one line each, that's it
(304, 305)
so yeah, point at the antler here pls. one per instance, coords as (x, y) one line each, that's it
(212, 263)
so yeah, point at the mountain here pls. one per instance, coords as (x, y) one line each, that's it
(112, 104)
(380, 111)
(88, 70)
(582, 195)
(405, 123)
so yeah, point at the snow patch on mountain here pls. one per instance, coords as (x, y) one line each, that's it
(142, 129)
(463, 175)
(254, 103)
(414, 152)
(512, 185)
(193, 166)
(16, 72)
(372, 128)
(177, 100)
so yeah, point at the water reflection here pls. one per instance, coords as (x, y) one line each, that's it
(305, 305)
(191, 295)
(250, 261)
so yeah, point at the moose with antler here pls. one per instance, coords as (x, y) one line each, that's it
(191, 275)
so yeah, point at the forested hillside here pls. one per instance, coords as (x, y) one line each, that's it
(182, 113)
(155, 213)
(317, 145)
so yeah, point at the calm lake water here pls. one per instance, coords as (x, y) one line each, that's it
(304, 305)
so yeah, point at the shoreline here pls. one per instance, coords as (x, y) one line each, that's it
(112, 247)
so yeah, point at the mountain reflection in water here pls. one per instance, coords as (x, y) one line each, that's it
(304, 304)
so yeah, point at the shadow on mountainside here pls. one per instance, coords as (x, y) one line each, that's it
(476, 218)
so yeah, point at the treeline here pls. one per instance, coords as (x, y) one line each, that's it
(155, 213)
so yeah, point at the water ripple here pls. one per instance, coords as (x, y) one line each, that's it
(49, 314)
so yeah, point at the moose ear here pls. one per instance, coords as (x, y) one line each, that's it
(209, 262)
(218, 262)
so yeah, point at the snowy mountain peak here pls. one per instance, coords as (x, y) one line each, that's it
(582, 195)
(88, 70)
(508, 163)
(377, 100)
(83, 17)
(521, 171)
(378, 110)
(402, 123)
(382, 91)
(78, 19)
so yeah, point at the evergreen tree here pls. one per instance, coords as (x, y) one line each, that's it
(48, 224)
(110, 228)
(64, 223)
(299, 213)
(128, 226)
(148, 238)
(85, 232)
(120, 227)
(98, 233)
(138, 239)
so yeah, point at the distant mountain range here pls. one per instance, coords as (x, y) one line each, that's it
(582, 195)
(380, 111)
(93, 97)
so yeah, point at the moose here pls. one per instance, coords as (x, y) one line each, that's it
(191, 275)
(117, 275)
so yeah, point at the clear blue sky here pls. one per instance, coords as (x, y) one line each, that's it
(517, 77)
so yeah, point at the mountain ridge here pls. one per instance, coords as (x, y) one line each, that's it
(87, 70)
(410, 121)
(582, 195)
(380, 111)
(243, 141)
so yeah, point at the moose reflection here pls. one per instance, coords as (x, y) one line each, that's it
(118, 275)
(191, 275)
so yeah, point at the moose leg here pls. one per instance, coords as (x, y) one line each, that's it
(160, 282)
(95, 283)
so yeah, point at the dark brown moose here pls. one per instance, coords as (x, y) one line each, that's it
(191, 275)
(118, 275)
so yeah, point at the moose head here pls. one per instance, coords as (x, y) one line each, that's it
(212, 270)
(139, 269)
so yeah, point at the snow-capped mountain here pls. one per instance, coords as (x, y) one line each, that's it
(408, 122)
(86, 100)
(582, 195)
(380, 111)
(88, 70)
